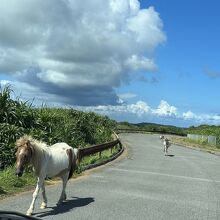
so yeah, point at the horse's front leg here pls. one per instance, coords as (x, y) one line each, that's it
(44, 203)
(166, 149)
(35, 194)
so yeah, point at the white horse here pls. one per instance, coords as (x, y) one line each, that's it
(57, 160)
(166, 144)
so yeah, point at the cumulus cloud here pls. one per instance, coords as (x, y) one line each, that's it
(141, 63)
(189, 115)
(143, 112)
(140, 108)
(80, 50)
(201, 118)
(164, 109)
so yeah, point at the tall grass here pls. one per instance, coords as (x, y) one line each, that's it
(77, 128)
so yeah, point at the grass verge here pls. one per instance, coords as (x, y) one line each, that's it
(10, 184)
(194, 144)
(97, 158)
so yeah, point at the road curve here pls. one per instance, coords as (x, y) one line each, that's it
(144, 185)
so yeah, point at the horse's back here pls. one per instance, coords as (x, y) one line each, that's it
(61, 145)
(59, 159)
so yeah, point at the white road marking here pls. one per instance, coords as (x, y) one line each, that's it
(167, 175)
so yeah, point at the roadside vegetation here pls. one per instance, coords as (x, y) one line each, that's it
(194, 144)
(51, 125)
(206, 130)
(154, 128)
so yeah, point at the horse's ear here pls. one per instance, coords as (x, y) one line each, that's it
(28, 143)
(30, 146)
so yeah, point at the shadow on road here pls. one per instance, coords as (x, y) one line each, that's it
(170, 155)
(66, 206)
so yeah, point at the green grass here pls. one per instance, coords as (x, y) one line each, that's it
(96, 158)
(196, 144)
(10, 183)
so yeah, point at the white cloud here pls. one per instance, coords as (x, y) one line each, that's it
(148, 35)
(164, 113)
(77, 47)
(164, 109)
(127, 95)
(139, 108)
(201, 118)
(189, 115)
(141, 63)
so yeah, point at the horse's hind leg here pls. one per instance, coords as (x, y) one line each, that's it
(64, 178)
(44, 203)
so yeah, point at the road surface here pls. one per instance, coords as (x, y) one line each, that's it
(145, 184)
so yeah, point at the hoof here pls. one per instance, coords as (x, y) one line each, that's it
(59, 202)
(62, 199)
(29, 212)
(43, 205)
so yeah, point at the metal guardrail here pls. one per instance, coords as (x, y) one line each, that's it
(97, 148)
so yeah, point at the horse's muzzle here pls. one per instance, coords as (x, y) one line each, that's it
(18, 173)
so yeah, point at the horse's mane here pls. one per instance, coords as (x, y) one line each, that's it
(38, 145)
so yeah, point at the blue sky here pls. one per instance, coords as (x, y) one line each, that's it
(149, 60)
(188, 61)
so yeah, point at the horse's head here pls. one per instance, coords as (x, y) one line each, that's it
(23, 155)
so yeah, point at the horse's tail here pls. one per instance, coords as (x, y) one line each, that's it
(72, 161)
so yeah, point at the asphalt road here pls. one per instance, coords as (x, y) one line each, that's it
(144, 184)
